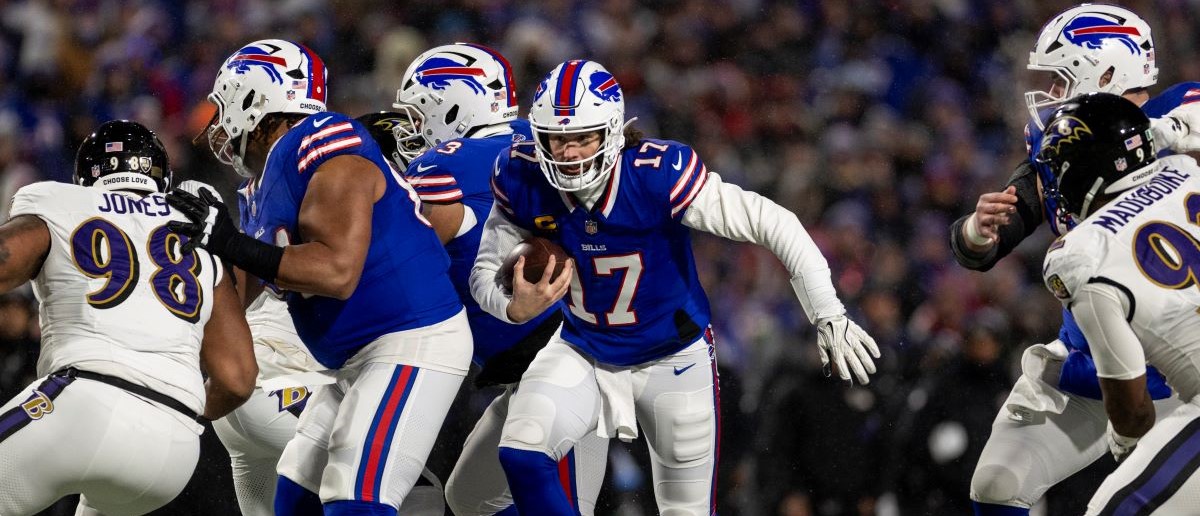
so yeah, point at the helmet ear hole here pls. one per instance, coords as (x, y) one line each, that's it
(249, 100)
(452, 115)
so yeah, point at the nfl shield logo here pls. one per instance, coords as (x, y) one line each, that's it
(591, 227)
(1121, 164)
(291, 95)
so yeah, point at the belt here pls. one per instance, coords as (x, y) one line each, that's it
(139, 390)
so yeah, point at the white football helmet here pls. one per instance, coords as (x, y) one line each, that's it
(450, 91)
(1083, 44)
(578, 97)
(264, 77)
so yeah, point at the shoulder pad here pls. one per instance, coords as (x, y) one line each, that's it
(1071, 261)
(43, 197)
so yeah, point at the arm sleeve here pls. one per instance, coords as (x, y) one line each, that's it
(433, 182)
(1100, 310)
(1029, 216)
(728, 211)
(499, 237)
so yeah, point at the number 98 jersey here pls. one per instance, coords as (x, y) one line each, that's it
(117, 295)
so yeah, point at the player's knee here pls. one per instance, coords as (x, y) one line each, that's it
(458, 496)
(996, 484)
(691, 438)
(303, 461)
(530, 419)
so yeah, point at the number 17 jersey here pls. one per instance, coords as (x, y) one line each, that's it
(636, 296)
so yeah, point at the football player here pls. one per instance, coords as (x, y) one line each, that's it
(129, 318)
(636, 350)
(1127, 273)
(1052, 425)
(463, 99)
(337, 231)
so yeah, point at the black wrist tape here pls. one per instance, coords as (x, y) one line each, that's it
(255, 257)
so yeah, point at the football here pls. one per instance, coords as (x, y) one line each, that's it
(537, 252)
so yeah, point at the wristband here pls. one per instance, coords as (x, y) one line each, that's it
(972, 234)
(253, 256)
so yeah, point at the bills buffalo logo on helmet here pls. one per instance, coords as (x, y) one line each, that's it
(541, 89)
(605, 86)
(438, 72)
(253, 56)
(1094, 29)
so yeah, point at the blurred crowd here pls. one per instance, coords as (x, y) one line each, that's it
(877, 121)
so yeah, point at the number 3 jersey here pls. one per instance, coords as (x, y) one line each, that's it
(404, 282)
(1146, 244)
(637, 296)
(117, 296)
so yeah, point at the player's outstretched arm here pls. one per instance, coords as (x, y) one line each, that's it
(24, 243)
(335, 219)
(1100, 310)
(1000, 222)
(227, 354)
(499, 237)
(728, 211)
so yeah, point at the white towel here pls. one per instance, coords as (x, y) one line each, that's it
(309, 379)
(617, 416)
(1036, 391)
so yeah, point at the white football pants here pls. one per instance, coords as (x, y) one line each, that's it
(122, 453)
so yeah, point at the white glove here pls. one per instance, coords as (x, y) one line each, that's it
(1178, 130)
(847, 344)
(193, 187)
(1119, 445)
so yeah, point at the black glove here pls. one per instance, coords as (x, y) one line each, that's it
(211, 228)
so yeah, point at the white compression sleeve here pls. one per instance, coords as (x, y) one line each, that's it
(499, 237)
(728, 211)
(1100, 311)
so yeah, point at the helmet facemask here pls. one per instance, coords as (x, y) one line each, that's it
(410, 143)
(588, 171)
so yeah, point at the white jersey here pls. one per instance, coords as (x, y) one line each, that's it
(277, 348)
(1146, 244)
(117, 297)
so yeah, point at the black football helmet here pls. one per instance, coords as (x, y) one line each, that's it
(123, 155)
(382, 126)
(1097, 143)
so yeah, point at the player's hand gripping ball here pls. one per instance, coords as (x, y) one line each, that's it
(537, 252)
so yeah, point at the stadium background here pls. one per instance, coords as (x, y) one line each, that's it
(877, 122)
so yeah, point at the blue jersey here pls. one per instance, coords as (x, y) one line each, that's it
(404, 282)
(1079, 370)
(461, 171)
(637, 297)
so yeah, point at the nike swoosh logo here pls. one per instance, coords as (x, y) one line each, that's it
(260, 232)
(679, 371)
(319, 123)
(679, 162)
(422, 168)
